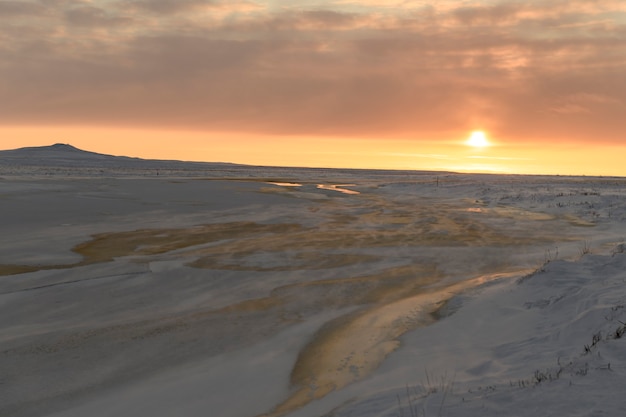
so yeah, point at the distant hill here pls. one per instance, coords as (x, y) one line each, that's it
(64, 159)
(64, 155)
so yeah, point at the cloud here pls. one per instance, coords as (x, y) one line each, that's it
(13, 9)
(94, 16)
(517, 68)
(499, 14)
(169, 7)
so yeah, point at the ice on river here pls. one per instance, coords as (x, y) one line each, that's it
(298, 293)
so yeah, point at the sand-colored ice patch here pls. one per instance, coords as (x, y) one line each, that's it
(336, 235)
(336, 242)
(345, 241)
(577, 221)
(104, 247)
(518, 213)
(16, 269)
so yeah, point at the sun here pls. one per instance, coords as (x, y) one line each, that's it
(477, 139)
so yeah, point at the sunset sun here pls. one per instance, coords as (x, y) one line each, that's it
(477, 139)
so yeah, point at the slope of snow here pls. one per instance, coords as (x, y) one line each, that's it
(551, 343)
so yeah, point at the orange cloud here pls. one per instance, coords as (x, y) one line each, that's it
(523, 69)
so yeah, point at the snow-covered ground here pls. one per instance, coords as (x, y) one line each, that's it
(301, 293)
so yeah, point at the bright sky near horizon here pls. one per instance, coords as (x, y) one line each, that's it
(335, 83)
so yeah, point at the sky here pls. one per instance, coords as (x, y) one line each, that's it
(335, 83)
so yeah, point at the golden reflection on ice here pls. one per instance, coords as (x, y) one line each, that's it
(338, 188)
(349, 348)
(286, 184)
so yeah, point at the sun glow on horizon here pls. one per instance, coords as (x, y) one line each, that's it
(442, 153)
(478, 139)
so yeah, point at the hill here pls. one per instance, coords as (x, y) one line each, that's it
(65, 155)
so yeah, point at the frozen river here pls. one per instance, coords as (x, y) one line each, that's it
(255, 292)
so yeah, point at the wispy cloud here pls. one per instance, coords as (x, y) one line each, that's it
(95, 17)
(13, 9)
(173, 7)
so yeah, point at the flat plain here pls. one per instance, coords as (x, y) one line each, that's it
(249, 291)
